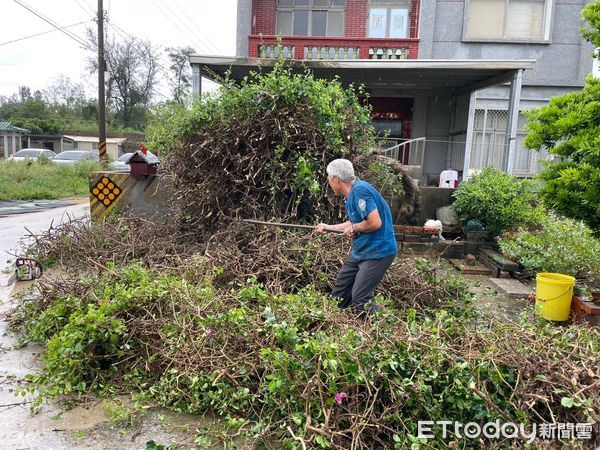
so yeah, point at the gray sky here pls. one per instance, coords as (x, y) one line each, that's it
(206, 25)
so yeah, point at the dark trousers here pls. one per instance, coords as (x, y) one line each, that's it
(356, 283)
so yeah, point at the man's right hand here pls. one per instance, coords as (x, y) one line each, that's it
(320, 228)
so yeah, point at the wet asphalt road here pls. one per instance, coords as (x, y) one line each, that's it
(12, 226)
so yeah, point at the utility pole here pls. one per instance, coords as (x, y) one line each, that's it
(101, 95)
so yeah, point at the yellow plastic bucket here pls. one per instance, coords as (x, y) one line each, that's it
(553, 294)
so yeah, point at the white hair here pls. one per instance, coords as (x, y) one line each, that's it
(341, 168)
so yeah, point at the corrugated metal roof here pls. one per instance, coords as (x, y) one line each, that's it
(48, 136)
(95, 139)
(6, 127)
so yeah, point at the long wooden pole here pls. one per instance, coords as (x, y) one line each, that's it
(289, 225)
(101, 94)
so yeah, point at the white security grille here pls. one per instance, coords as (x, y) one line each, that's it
(489, 143)
(489, 133)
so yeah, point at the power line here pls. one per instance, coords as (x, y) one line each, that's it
(83, 8)
(118, 30)
(193, 33)
(40, 34)
(55, 25)
(177, 26)
(205, 36)
(90, 8)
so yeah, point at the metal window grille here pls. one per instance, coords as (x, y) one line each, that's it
(489, 146)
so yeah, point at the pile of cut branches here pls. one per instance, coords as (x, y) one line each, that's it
(261, 148)
(283, 261)
(78, 244)
(292, 367)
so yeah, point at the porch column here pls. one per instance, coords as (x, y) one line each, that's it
(469, 138)
(6, 146)
(513, 119)
(452, 130)
(14, 143)
(196, 80)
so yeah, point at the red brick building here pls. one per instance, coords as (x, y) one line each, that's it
(426, 103)
(340, 29)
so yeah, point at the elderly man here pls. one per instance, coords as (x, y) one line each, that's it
(371, 229)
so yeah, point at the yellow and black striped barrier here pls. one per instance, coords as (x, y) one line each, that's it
(102, 150)
(108, 191)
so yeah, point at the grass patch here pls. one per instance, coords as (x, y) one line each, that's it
(41, 179)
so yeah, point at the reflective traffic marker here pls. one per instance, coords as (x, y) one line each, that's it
(106, 191)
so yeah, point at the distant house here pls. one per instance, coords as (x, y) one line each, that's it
(114, 146)
(10, 139)
(55, 142)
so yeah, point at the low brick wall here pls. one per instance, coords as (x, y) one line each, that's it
(585, 310)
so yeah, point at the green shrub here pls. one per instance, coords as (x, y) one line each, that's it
(568, 127)
(560, 245)
(573, 189)
(498, 200)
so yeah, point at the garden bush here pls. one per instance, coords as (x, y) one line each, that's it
(498, 200)
(568, 126)
(559, 245)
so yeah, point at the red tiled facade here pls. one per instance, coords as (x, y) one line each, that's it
(264, 13)
(356, 18)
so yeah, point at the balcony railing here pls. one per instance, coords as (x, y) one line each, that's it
(327, 48)
(388, 53)
(276, 51)
(325, 52)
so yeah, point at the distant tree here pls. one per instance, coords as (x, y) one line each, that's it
(64, 92)
(89, 110)
(180, 77)
(24, 93)
(132, 66)
(23, 104)
(569, 126)
(37, 126)
(61, 105)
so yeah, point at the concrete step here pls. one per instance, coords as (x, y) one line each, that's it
(512, 288)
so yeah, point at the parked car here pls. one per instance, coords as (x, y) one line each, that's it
(31, 153)
(72, 157)
(120, 164)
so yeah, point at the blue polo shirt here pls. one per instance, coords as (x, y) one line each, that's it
(362, 200)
